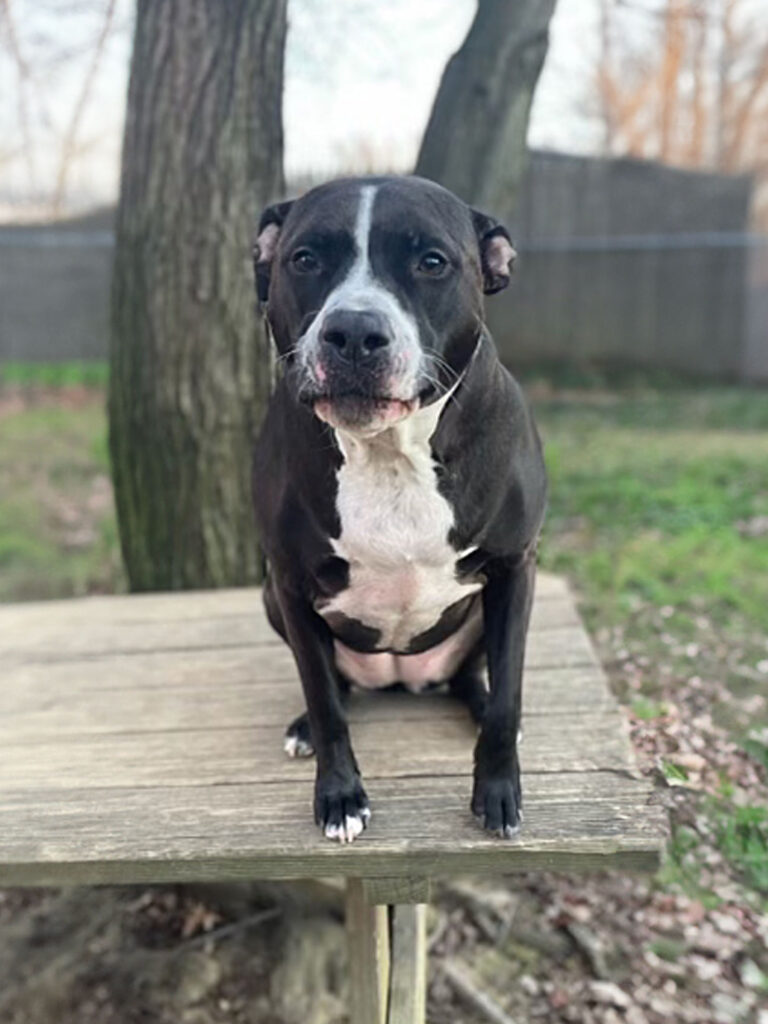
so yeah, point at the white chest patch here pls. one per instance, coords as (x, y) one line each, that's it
(394, 535)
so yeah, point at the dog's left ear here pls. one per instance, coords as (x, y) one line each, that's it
(268, 232)
(497, 255)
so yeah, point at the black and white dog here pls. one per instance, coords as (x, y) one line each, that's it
(398, 478)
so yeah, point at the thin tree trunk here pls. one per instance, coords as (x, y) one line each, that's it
(190, 370)
(606, 88)
(475, 141)
(672, 60)
(696, 155)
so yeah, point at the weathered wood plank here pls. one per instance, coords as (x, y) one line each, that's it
(408, 983)
(190, 808)
(561, 646)
(135, 761)
(369, 957)
(397, 890)
(39, 701)
(263, 831)
(385, 749)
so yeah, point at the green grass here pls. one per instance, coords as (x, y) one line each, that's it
(58, 536)
(682, 868)
(658, 513)
(646, 710)
(662, 513)
(76, 373)
(742, 835)
(657, 500)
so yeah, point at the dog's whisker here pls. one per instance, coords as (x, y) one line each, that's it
(441, 388)
(287, 354)
(441, 363)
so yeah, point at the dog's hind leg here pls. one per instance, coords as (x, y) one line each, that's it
(298, 739)
(271, 607)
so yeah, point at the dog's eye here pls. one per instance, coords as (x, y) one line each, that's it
(304, 261)
(433, 263)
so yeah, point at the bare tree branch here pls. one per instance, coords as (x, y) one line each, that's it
(69, 143)
(691, 91)
(23, 75)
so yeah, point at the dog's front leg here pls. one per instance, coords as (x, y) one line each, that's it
(341, 806)
(507, 599)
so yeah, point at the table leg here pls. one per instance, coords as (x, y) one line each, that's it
(368, 936)
(408, 982)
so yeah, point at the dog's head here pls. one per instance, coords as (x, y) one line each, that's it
(374, 289)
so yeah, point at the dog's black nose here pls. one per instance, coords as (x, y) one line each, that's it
(356, 335)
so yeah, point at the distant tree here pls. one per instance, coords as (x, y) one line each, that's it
(189, 367)
(475, 140)
(685, 82)
(54, 76)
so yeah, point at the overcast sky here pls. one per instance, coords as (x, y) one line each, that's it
(359, 76)
(373, 75)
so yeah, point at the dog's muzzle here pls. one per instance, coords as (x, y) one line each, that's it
(358, 374)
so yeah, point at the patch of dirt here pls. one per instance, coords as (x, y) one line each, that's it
(166, 956)
(16, 399)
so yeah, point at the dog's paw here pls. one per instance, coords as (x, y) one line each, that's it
(298, 742)
(341, 808)
(497, 804)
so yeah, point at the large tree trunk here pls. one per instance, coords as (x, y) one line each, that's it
(474, 143)
(190, 367)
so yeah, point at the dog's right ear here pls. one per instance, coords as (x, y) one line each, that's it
(270, 225)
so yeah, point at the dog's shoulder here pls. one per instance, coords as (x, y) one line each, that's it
(491, 458)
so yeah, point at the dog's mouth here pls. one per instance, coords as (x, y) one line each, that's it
(364, 414)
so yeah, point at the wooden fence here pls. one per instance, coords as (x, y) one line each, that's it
(622, 263)
(633, 264)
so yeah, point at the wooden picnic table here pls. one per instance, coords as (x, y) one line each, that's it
(142, 741)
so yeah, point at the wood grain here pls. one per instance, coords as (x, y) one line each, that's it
(369, 957)
(126, 758)
(156, 691)
(397, 890)
(408, 976)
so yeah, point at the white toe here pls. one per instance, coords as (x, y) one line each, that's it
(351, 829)
(354, 827)
(296, 747)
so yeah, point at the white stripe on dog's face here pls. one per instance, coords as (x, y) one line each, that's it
(361, 291)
